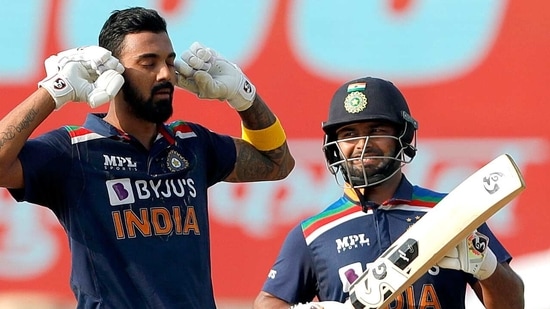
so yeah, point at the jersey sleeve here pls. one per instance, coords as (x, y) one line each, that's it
(496, 246)
(42, 160)
(292, 278)
(220, 153)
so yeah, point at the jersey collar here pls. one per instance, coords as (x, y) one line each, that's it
(96, 123)
(404, 193)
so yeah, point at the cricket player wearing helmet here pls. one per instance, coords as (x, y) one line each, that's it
(370, 135)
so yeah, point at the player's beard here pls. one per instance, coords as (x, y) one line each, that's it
(372, 172)
(148, 109)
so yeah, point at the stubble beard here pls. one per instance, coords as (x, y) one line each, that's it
(375, 170)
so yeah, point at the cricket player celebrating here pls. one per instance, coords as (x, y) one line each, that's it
(129, 189)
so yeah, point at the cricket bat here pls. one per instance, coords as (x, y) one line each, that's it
(425, 243)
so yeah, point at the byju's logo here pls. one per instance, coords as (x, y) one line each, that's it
(348, 274)
(119, 163)
(120, 191)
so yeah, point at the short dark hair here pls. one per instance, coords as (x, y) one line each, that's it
(130, 20)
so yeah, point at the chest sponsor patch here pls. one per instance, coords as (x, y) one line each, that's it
(120, 191)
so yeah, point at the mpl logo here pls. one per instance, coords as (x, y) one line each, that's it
(119, 163)
(351, 242)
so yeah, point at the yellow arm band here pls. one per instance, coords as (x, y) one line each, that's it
(266, 139)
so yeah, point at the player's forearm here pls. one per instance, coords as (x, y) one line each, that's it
(503, 289)
(263, 130)
(258, 116)
(18, 125)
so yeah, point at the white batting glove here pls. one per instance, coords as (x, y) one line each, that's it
(90, 74)
(203, 71)
(321, 305)
(472, 255)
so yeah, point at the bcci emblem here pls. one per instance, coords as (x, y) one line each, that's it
(176, 162)
(355, 102)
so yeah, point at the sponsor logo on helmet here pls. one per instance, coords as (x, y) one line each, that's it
(355, 102)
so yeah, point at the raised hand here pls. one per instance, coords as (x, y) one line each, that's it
(89, 74)
(205, 72)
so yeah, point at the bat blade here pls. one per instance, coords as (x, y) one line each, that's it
(425, 243)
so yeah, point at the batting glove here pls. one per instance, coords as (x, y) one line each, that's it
(203, 71)
(472, 255)
(90, 74)
(321, 305)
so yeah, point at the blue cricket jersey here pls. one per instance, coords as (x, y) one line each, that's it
(136, 219)
(325, 253)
